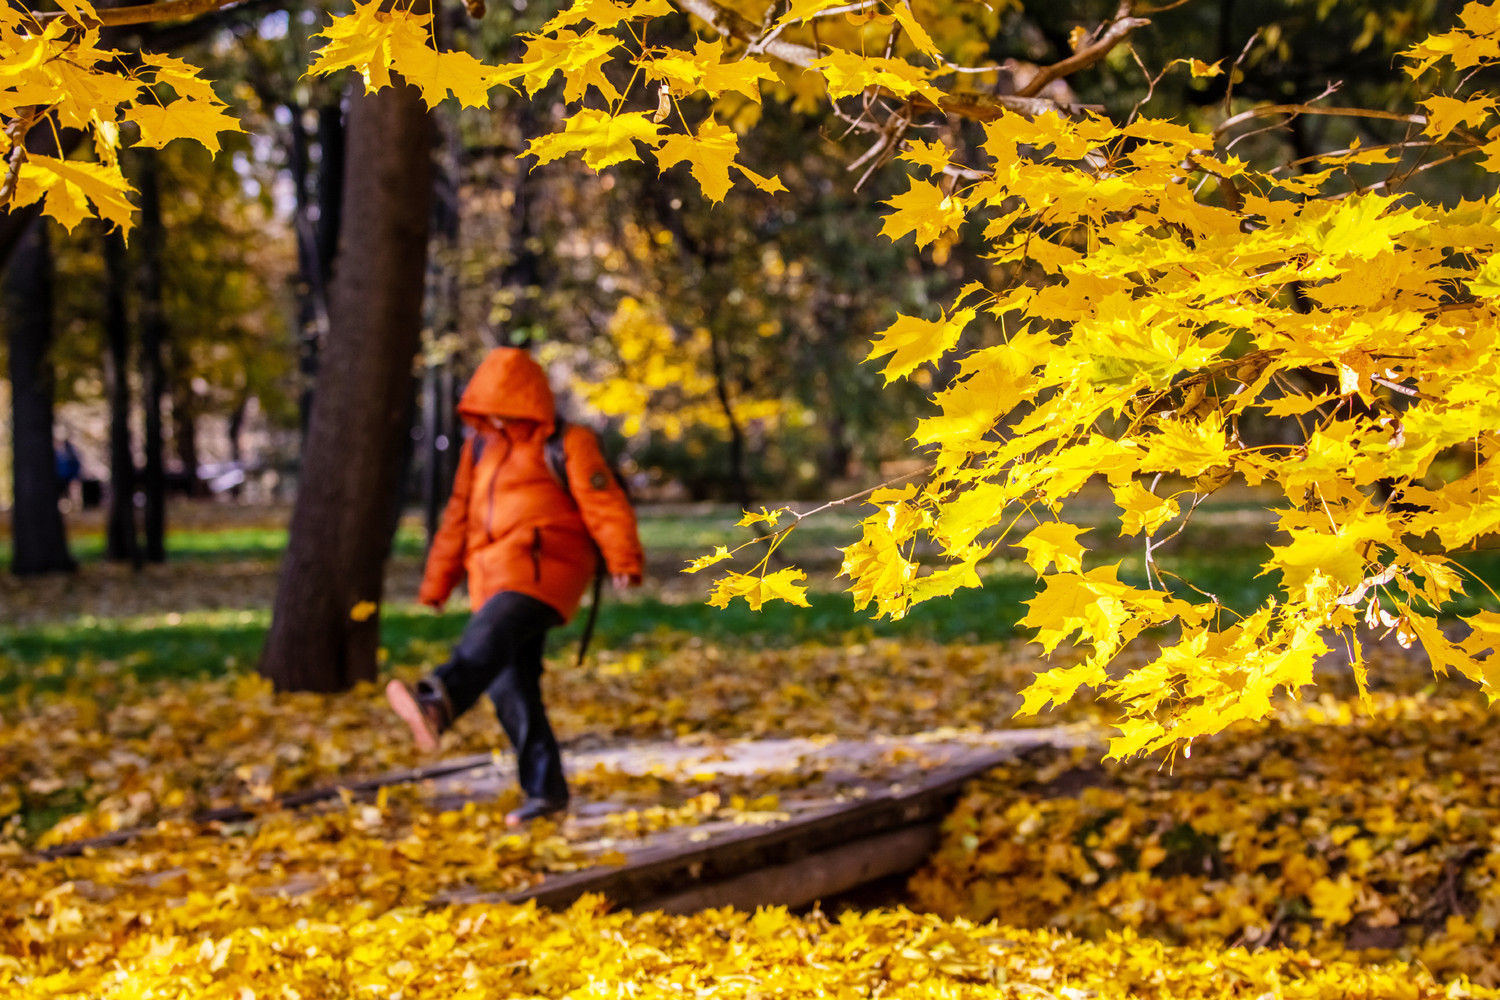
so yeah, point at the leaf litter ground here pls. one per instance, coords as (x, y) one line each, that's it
(1291, 860)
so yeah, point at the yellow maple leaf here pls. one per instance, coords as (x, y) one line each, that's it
(81, 92)
(924, 210)
(801, 10)
(1053, 542)
(756, 590)
(1188, 447)
(848, 73)
(580, 58)
(181, 76)
(1091, 603)
(1142, 510)
(935, 156)
(602, 138)
(363, 611)
(911, 341)
(768, 517)
(770, 185)
(1445, 114)
(432, 72)
(719, 554)
(918, 35)
(1333, 902)
(705, 69)
(357, 41)
(605, 14)
(185, 118)
(67, 187)
(1057, 686)
(709, 155)
(1359, 225)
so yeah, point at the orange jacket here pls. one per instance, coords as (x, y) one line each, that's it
(510, 525)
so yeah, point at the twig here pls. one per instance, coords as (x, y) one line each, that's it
(1404, 390)
(15, 132)
(1152, 546)
(1229, 88)
(1086, 57)
(1309, 109)
(977, 107)
(138, 14)
(759, 45)
(1389, 181)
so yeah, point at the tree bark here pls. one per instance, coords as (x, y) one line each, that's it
(185, 421)
(340, 523)
(38, 536)
(443, 307)
(121, 544)
(153, 320)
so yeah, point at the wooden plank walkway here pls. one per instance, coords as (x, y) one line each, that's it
(848, 812)
(875, 811)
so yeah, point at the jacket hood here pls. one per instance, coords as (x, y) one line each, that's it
(509, 383)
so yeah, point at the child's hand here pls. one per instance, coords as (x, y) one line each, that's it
(624, 581)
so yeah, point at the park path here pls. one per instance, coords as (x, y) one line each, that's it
(818, 817)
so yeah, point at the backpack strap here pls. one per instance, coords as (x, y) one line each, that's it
(557, 464)
(557, 456)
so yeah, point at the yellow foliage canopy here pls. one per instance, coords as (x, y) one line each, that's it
(1163, 289)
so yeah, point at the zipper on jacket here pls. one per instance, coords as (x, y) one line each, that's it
(489, 515)
(536, 554)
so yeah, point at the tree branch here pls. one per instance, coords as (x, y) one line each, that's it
(15, 133)
(1310, 109)
(979, 107)
(1123, 25)
(139, 13)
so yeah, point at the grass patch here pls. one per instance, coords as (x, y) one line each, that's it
(208, 643)
(220, 544)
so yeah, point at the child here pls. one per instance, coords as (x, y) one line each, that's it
(529, 545)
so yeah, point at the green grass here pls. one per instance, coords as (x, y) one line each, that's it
(219, 545)
(171, 645)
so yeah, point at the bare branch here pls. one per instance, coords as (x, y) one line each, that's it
(140, 13)
(978, 107)
(759, 44)
(15, 132)
(1229, 85)
(1122, 26)
(1310, 109)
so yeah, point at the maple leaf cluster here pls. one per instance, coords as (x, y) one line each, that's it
(54, 74)
(1328, 829)
(108, 754)
(1163, 295)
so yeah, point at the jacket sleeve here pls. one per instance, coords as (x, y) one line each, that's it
(445, 560)
(605, 508)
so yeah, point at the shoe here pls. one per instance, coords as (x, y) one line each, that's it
(534, 808)
(423, 710)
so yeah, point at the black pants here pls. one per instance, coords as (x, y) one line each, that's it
(501, 652)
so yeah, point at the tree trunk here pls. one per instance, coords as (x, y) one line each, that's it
(739, 481)
(443, 307)
(38, 537)
(321, 639)
(236, 432)
(185, 422)
(153, 320)
(121, 541)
